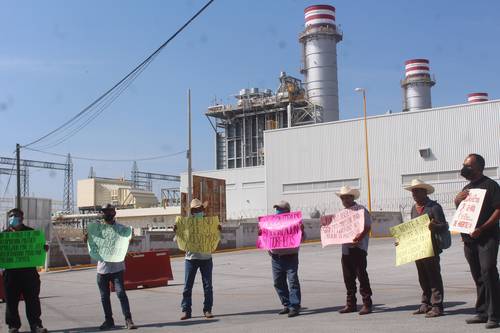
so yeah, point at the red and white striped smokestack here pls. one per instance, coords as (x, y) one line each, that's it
(319, 14)
(417, 67)
(477, 97)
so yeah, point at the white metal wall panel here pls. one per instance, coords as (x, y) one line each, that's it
(335, 150)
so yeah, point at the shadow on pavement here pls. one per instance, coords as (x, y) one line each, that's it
(158, 325)
(412, 307)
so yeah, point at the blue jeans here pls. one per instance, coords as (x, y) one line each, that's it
(191, 266)
(103, 281)
(285, 267)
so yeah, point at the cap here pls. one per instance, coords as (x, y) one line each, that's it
(107, 206)
(282, 205)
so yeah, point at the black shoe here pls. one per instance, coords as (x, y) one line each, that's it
(492, 324)
(130, 324)
(39, 329)
(477, 320)
(13, 330)
(285, 310)
(107, 325)
(293, 313)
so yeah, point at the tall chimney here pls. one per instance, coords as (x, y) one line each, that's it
(477, 97)
(319, 55)
(417, 85)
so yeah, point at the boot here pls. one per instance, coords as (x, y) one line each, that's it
(350, 305)
(367, 307)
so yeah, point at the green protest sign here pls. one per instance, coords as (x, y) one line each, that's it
(108, 242)
(197, 234)
(22, 249)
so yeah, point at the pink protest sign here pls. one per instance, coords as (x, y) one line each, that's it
(280, 231)
(342, 227)
(465, 218)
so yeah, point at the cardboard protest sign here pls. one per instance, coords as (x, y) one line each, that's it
(415, 240)
(341, 228)
(108, 242)
(467, 214)
(22, 249)
(197, 234)
(281, 231)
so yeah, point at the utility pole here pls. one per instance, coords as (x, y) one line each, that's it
(18, 175)
(190, 170)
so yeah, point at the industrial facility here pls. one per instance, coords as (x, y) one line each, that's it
(279, 146)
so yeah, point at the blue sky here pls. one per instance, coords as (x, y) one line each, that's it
(57, 56)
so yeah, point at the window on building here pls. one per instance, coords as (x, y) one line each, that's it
(252, 185)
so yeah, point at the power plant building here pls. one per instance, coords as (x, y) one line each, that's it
(291, 145)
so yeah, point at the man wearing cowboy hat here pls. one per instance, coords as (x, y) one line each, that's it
(194, 261)
(112, 272)
(429, 269)
(354, 257)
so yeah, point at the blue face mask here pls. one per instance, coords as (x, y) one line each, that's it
(199, 214)
(14, 221)
(279, 211)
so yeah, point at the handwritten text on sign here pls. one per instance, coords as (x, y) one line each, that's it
(414, 238)
(465, 218)
(282, 231)
(22, 249)
(108, 242)
(343, 227)
(197, 234)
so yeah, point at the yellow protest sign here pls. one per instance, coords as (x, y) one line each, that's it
(414, 238)
(197, 234)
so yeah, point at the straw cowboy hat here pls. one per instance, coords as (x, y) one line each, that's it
(347, 190)
(417, 183)
(196, 203)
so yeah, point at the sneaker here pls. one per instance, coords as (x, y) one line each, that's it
(107, 325)
(39, 329)
(130, 324)
(293, 313)
(283, 311)
(477, 320)
(423, 309)
(186, 315)
(208, 314)
(492, 324)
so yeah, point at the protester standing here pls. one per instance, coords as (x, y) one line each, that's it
(194, 261)
(112, 272)
(429, 269)
(354, 255)
(22, 281)
(481, 246)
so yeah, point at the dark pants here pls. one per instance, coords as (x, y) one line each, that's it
(191, 267)
(429, 276)
(103, 281)
(285, 267)
(482, 258)
(24, 282)
(354, 266)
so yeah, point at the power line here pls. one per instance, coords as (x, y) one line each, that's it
(158, 157)
(120, 86)
(8, 181)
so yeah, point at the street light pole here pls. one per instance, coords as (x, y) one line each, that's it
(367, 160)
(189, 156)
(18, 175)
